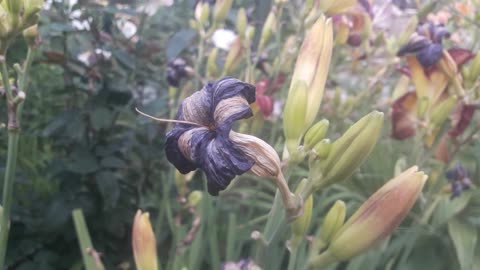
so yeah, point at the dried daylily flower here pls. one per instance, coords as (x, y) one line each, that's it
(204, 141)
(461, 118)
(459, 180)
(426, 43)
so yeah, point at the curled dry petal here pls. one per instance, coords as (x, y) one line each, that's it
(205, 143)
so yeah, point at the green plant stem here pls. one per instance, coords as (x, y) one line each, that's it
(86, 247)
(13, 135)
(293, 259)
(15, 107)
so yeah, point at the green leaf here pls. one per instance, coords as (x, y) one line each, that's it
(448, 208)
(83, 162)
(179, 41)
(464, 237)
(101, 118)
(107, 183)
(113, 162)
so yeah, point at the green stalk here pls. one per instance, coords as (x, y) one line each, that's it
(293, 258)
(86, 247)
(13, 135)
(15, 106)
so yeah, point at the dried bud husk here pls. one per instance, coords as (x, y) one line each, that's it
(293, 113)
(144, 242)
(222, 7)
(315, 134)
(242, 22)
(267, 30)
(301, 224)
(333, 221)
(350, 150)
(267, 163)
(375, 219)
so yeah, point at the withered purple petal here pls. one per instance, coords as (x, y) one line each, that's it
(207, 145)
(430, 55)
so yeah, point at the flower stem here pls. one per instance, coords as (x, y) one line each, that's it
(14, 105)
(198, 64)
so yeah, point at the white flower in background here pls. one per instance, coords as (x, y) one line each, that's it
(150, 7)
(128, 28)
(223, 38)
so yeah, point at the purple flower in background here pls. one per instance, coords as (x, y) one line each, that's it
(426, 43)
(177, 69)
(458, 179)
(243, 264)
(203, 141)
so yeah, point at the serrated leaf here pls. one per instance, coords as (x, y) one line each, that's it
(464, 237)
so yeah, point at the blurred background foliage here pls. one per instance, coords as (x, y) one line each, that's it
(84, 146)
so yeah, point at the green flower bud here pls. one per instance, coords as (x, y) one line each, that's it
(312, 65)
(332, 7)
(31, 34)
(242, 22)
(14, 7)
(30, 16)
(234, 56)
(212, 67)
(375, 219)
(441, 111)
(315, 134)
(295, 110)
(267, 30)
(301, 224)
(333, 221)
(322, 148)
(474, 68)
(222, 7)
(194, 198)
(422, 107)
(350, 150)
(202, 11)
(5, 23)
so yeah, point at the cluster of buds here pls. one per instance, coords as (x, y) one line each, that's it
(372, 222)
(459, 180)
(17, 16)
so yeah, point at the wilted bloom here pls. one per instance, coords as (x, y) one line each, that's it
(352, 24)
(459, 180)
(430, 97)
(426, 43)
(375, 219)
(205, 143)
(177, 69)
(144, 243)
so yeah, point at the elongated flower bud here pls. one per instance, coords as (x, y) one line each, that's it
(441, 111)
(234, 56)
(375, 219)
(14, 7)
(312, 65)
(212, 67)
(242, 22)
(350, 150)
(31, 34)
(301, 224)
(267, 30)
(202, 11)
(294, 111)
(222, 7)
(144, 243)
(333, 221)
(379, 215)
(315, 134)
(332, 7)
